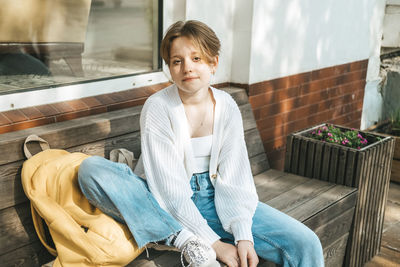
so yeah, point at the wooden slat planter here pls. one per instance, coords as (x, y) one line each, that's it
(367, 169)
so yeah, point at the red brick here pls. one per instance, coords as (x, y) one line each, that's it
(4, 120)
(359, 65)
(72, 115)
(126, 104)
(91, 102)
(105, 99)
(274, 96)
(62, 107)
(32, 113)
(15, 116)
(77, 104)
(25, 125)
(97, 110)
(47, 110)
(279, 83)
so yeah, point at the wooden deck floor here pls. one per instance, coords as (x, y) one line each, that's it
(390, 248)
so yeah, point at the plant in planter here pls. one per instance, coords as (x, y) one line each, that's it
(353, 158)
(331, 134)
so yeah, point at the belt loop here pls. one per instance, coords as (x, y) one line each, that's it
(197, 182)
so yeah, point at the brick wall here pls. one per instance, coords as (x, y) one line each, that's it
(292, 103)
(30, 117)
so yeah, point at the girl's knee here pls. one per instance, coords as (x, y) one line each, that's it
(88, 169)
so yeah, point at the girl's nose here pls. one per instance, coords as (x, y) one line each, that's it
(187, 66)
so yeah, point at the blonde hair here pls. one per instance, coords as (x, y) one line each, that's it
(203, 37)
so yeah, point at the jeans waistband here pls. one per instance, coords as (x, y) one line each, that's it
(201, 181)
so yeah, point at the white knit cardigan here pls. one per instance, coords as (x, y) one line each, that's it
(167, 163)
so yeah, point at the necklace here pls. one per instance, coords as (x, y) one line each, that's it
(197, 126)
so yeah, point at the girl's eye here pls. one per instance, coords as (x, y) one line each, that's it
(176, 62)
(197, 58)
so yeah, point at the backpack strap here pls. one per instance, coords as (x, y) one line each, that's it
(37, 220)
(34, 138)
(123, 155)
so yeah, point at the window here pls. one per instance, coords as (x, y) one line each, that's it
(48, 43)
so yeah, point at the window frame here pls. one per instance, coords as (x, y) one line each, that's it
(75, 90)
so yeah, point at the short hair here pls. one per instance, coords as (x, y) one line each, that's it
(202, 36)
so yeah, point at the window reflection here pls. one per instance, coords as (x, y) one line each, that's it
(51, 42)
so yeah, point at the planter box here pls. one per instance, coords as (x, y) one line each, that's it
(367, 169)
(381, 128)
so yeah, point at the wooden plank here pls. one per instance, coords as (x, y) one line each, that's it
(341, 170)
(395, 175)
(166, 258)
(377, 201)
(319, 147)
(238, 94)
(253, 142)
(310, 160)
(391, 238)
(73, 132)
(289, 200)
(334, 254)
(288, 152)
(326, 158)
(11, 192)
(16, 228)
(396, 154)
(248, 117)
(364, 185)
(355, 239)
(33, 254)
(334, 162)
(294, 163)
(389, 150)
(321, 202)
(303, 153)
(259, 163)
(331, 212)
(336, 228)
(271, 189)
(350, 168)
(268, 176)
(386, 258)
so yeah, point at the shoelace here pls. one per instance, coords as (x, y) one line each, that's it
(197, 245)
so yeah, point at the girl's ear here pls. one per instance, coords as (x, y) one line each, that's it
(214, 64)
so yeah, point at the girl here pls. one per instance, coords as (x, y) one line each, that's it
(199, 194)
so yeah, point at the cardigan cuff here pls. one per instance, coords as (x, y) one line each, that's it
(207, 234)
(242, 231)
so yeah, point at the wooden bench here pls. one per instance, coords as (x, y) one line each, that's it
(324, 207)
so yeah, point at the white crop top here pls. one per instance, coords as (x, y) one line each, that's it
(201, 147)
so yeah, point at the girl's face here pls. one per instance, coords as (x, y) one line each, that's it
(189, 69)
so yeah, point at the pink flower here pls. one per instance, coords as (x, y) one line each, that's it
(329, 134)
(358, 147)
(359, 136)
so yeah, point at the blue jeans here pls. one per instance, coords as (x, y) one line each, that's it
(118, 192)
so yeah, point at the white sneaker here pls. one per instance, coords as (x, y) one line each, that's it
(198, 254)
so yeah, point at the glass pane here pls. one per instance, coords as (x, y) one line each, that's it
(46, 43)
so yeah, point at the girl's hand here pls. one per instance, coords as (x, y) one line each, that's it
(226, 253)
(247, 254)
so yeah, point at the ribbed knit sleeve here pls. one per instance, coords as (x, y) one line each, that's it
(165, 171)
(235, 193)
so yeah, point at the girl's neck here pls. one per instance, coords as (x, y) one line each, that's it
(194, 99)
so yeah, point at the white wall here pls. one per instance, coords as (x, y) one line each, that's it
(296, 36)
(373, 100)
(263, 40)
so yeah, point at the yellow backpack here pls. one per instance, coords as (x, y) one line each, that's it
(82, 234)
